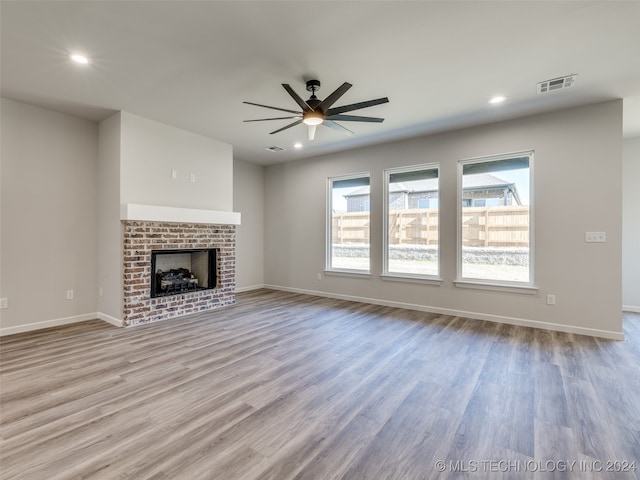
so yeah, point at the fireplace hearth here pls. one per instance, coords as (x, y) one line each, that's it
(144, 238)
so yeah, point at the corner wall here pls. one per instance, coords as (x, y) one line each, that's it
(62, 182)
(110, 263)
(49, 217)
(248, 199)
(578, 157)
(631, 225)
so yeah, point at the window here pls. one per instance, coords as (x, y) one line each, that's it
(348, 224)
(428, 203)
(495, 228)
(411, 222)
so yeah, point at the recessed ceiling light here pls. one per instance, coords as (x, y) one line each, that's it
(79, 58)
(497, 99)
(297, 145)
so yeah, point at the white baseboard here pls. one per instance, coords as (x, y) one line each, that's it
(117, 322)
(592, 332)
(248, 289)
(56, 322)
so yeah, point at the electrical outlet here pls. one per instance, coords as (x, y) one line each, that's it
(4, 303)
(101, 291)
(551, 299)
(192, 178)
(69, 294)
(318, 276)
(595, 237)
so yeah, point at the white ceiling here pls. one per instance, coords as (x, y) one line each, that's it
(191, 64)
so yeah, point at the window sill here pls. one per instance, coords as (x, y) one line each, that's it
(411, 279)
(497, 287)
(347, 273)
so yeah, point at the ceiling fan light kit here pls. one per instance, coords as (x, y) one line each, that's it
(312, 118)
(319, 112)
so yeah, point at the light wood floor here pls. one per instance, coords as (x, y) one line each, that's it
(285, 386)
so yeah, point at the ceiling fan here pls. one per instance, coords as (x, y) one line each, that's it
(319, 112)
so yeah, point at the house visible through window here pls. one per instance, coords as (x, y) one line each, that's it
(348, 224)
(495, 229)
(412, 218)
(428, 203)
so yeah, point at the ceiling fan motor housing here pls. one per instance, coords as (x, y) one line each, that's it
(313, 85)
(313, 102)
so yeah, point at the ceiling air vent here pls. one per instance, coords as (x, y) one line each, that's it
(275, 148)
(557, 83)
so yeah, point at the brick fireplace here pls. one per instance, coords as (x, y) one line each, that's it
(140, 238)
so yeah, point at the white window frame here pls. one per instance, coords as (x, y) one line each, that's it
(408, 277)
(529, 286)
(329, 269)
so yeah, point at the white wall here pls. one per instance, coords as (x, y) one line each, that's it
(151, 150)
(49, 217)
(109, 225)
(578, 158)
(52, 178)
(63, 180)
(631, 225)
(248, 199)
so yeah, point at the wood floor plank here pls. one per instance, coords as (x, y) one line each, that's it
(550, 399)
(282, 386)
(407, 443)
(556, 444)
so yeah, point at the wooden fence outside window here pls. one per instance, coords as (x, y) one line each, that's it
(506, 226)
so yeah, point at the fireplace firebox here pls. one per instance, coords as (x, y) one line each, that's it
(174, 272)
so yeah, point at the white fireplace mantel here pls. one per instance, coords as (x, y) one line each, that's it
(157, 213)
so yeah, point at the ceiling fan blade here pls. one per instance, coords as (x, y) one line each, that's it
(298, 122)
(325, 104)
(297, 98)
(264, 119)
(356, 106)
(354, 118)
(274, 108)
(337, 126)
(311, 131)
